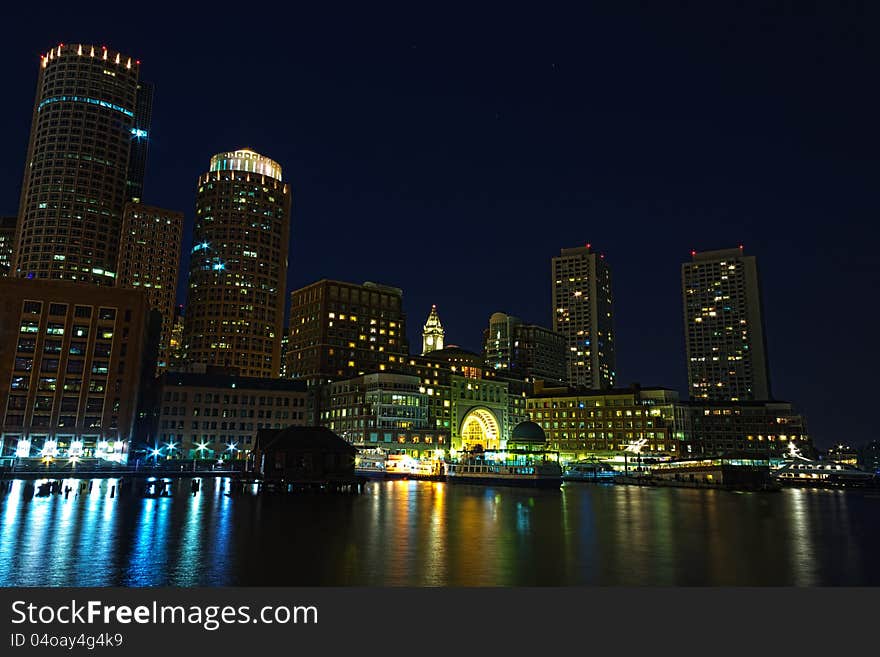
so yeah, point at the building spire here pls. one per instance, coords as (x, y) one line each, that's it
(432, 335)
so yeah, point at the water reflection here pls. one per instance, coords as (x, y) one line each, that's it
(406, 533)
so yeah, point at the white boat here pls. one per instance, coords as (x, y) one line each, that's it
(426, 469)
(381, 465)
(588, 471)
(807, 472)
(506, 468)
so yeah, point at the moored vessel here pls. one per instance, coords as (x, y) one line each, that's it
(588, 471)
(379, 464)
(822, 474)
(532, 469)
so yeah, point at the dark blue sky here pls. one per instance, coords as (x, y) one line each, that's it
(453, 151)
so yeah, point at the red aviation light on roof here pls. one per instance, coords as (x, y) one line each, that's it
(693, 252)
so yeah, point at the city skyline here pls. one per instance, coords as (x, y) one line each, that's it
(466, 299)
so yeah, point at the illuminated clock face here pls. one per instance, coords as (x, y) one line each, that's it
(431, 339)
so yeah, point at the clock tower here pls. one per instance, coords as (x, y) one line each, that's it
(432, 335)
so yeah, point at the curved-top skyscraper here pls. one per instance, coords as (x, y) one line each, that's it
(238, 269)
(77, 170)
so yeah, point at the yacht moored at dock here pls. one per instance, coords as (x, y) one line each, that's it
(379, 464)
(589, 471)
(527, 468)
(822, 474)
(725, 472)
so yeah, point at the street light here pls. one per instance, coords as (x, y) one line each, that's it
(200, 449)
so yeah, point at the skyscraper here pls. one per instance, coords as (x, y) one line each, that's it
(498, 341)
(583, 312)
(432, 332)
(238, 268)
(149, 258)
(7, 244)
(77, 175)
(341, 330)
(140, 132)
(723, 327)
(524, 351)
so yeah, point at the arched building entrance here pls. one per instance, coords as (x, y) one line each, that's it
(480, 428)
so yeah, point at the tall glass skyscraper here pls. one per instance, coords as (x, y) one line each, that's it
(77, 175)
(238, 267)
(583, 312)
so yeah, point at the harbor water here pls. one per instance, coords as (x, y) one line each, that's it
(422, 533)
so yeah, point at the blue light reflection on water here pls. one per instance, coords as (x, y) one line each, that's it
(428, 534)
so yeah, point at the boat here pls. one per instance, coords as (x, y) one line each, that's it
(588, 471)
(728, 472)
(822, 474)
(506, 468)
(431, 469)
(379, 464)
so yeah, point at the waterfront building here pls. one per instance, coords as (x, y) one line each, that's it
(76, 175)
(432, 333)
(761, 428)
(210, 414)
(607, 423)
(723, 326)
(341, 330)
(7, 243)
(583, 312)
(654, 421)
(149, 258)
(384, 409)
(445, 401)
(525, 351)
(478, 406)
(303, 454)
(527, 436)
(238, 266)
(71, 368)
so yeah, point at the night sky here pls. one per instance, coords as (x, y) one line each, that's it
(453, 151)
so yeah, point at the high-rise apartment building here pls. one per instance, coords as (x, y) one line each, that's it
(498, 341)
(723, 327)
(77, 173)
(341, 330)
(7, 243)
(525, 351)
(149, 258)
(583, 312)
(432, 332)
(238, 267)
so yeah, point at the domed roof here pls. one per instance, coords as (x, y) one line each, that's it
(528, 432)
